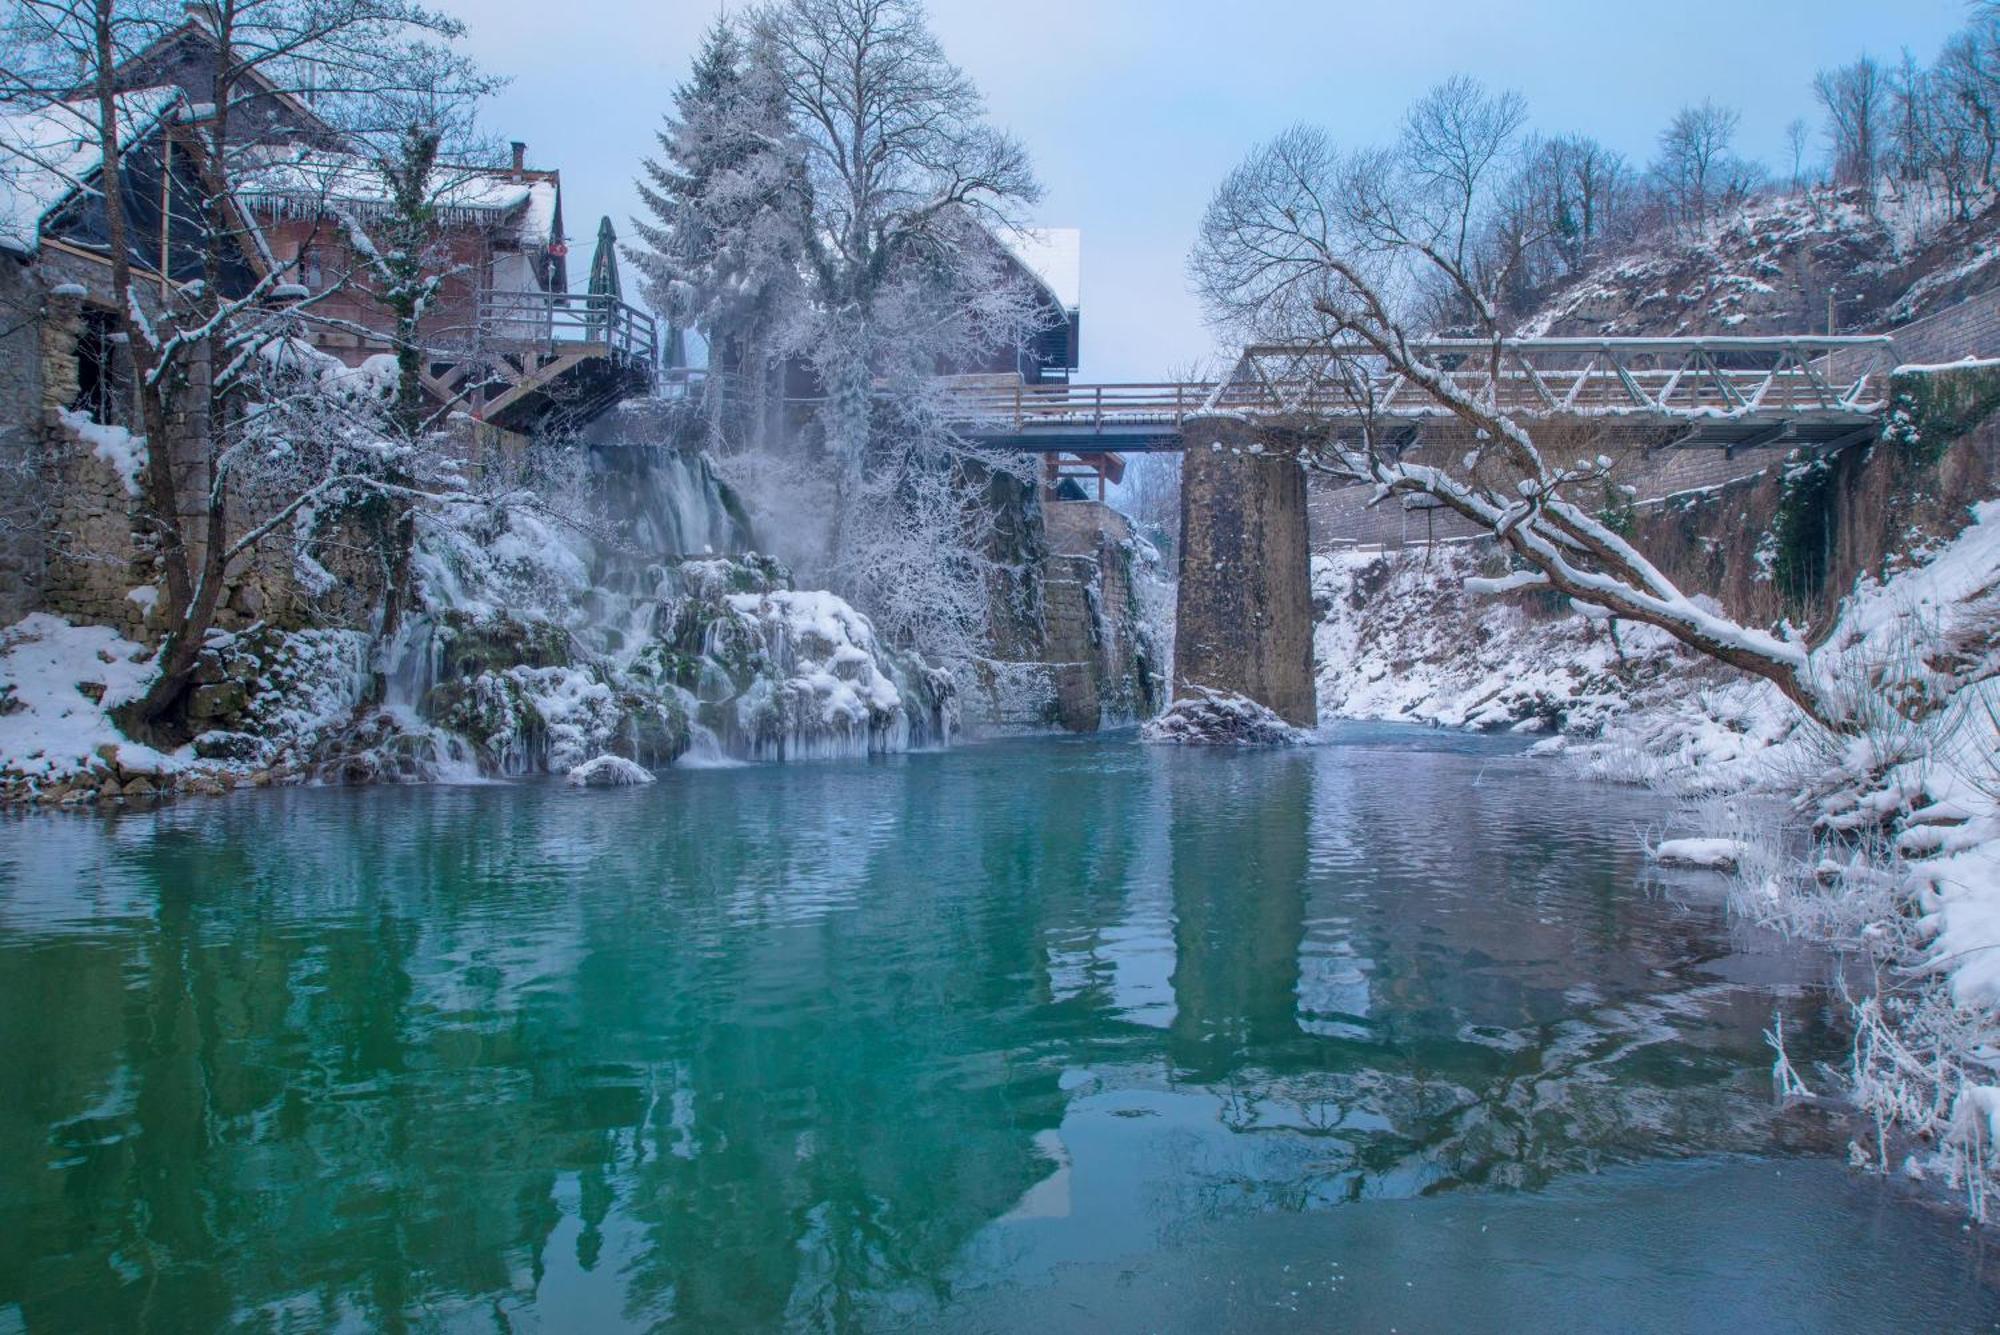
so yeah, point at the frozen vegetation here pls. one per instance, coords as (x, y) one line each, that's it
(537, 645)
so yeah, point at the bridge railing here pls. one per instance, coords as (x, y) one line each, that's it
(1742, 378)
(1697, 377)
(551, 322)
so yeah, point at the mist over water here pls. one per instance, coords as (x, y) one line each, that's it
(1053, 1034)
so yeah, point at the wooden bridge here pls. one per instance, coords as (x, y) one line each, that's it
(1730, 392)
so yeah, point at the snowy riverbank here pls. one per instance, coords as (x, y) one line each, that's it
(1902, 819)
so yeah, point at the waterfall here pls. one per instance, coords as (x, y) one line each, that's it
(647, 628)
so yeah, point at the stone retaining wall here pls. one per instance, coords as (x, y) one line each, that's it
(1082, 664)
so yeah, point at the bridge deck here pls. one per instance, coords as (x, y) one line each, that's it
(1708, 391)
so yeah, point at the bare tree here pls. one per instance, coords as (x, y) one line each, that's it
(1696, 170)
(1798, 136)
(1565, 202)
(1287, 251)
(1855, 99)
(1455, 139)
(196, 351)
(1968, 90)
(903, 174)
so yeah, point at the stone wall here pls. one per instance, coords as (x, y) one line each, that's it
(98, 564)
(1969, 329)
(21, 492)
(1093, 614)
(1077, 658)
(70, 538)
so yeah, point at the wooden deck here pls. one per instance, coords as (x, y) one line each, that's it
(540, 359)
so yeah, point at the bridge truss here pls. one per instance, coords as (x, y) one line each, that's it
(1822, 393)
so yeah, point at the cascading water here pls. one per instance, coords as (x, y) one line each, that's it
(646, 627)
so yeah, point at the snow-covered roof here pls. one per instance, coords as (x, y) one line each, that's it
(1053, 255)
(47, 152)
(320, 181)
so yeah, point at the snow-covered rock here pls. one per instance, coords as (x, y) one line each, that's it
(58, 686)
(1898, 257)
(609, 772)
(1214, 718)
(1428, 637)
(1707, 854)
(542, 650)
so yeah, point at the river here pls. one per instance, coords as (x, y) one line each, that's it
(1392, 1033)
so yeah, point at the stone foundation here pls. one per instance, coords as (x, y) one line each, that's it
(1245, 619)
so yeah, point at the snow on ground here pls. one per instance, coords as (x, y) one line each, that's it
(1401, 638)
(58, 684)
(1903, 256)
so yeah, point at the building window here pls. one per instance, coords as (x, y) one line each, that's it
(97, 393)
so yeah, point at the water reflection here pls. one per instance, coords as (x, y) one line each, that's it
(824, 1045)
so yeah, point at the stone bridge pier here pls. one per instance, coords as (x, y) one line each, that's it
(1245, 617)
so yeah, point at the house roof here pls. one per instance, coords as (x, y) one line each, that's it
(49, 152)
(153, 64)
(1053, 256)
(326, 183)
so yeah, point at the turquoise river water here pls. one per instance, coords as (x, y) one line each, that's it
(1395, 1033)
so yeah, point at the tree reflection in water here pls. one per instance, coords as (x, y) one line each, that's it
(775, 1046)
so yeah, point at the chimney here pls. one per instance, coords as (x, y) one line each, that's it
(520, 158)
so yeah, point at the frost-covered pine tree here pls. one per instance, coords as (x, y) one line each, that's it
(721, 251)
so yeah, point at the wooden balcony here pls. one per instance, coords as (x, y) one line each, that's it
(552, 360)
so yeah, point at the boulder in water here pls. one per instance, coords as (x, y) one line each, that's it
(1216, 718)
(609, 772)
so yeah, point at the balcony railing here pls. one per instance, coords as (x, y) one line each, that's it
(552, 322)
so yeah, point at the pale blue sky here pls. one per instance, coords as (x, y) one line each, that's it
(1133, 109)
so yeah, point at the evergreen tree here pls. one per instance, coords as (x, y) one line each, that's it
(721, 248)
